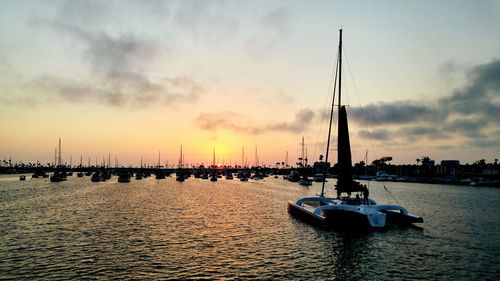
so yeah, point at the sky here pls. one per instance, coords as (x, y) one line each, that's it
(132, 78)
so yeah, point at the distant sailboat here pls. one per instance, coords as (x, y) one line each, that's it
(58, 175)
(344, 211)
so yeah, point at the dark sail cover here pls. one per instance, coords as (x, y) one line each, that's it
(345, 182)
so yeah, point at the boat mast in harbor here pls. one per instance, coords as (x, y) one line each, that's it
(339, 61)
(59, 158)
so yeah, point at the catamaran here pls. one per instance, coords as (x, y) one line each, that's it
(345, 211)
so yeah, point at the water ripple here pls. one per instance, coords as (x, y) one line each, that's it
(232, 230)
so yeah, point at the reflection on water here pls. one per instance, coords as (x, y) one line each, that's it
(164, 229)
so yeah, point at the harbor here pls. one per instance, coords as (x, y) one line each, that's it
(249, 140)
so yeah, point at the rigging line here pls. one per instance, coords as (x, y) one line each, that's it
(394, 197)
(325, 107)
(363, 112)
(330, 123)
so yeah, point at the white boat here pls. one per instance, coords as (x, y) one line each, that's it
(345, 211)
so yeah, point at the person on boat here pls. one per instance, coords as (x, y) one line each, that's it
(365, 194)
(358, 200)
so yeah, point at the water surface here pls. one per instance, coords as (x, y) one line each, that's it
(232, 230)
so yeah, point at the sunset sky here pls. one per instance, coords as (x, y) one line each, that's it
(131, 78)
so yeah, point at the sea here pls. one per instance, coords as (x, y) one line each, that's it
(231, 230)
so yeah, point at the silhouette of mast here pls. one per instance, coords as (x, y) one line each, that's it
(337, 74)
(59, 158)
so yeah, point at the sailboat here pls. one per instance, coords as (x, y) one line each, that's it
(345, 211)
(58, 175)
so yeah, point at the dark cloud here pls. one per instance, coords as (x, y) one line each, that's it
(390, 113)
(232, 121)
(417, 132)
(480, 96)
(468, 112)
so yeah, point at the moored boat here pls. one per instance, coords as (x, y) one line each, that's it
(124, 176)
(345, 211)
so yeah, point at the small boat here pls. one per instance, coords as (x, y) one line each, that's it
(160, 175)
(58, 176)
(293, 176)
(124, 176)
(80, 174)
(305, 181)
(318, 177)
(96, 177)
(39, 174)
(257, 176)
(213, 177)
(229, 176)
(344, 211)
(22, 177)
(180, 177)
(138, 176)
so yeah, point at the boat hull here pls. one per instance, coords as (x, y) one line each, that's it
(339, 216)
(399, 218)
(304, 214)
(346, 219)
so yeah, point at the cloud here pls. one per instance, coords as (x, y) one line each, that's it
(284, 98)
(300, 123)
(233, 122)
(169, 92)
(274, 25)
(226, 121)
(277, 20)
(378, 134)
(390, 113)
(118, 73)
(468, 112)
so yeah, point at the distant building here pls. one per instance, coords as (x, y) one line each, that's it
(449, 167)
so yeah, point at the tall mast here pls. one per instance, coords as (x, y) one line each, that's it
(159, 163)
(256, 160)
(180, 159)
(242, 156)
(213, 159)
(302, 154)
(59, 158)
(340, 71)
(337, 73)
